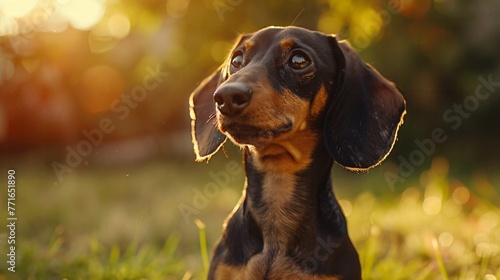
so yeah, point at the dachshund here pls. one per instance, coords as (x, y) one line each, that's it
(295, 101)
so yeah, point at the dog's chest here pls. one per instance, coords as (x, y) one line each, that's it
(279, 215)
(265, 267)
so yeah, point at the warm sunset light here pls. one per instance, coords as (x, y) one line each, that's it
(101, 86)
(82, 14)
(16, 8)
(26, 16)
(105, 105)
(119, 25)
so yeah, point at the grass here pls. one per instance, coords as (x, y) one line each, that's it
(125, 223)
(203, 247)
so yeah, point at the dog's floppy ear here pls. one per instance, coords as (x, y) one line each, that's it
(207, 139)
(364, 114)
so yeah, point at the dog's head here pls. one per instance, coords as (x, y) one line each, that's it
(282, 89)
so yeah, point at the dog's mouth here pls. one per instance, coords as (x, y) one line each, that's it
(253, 135)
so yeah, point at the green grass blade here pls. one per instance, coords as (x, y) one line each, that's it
(203, 244)
(370, 252)
(439, 259)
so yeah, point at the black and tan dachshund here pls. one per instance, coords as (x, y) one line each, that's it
(295, 101)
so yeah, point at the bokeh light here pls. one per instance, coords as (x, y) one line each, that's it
(346, 206)
(82, 14)
(330, 24)
(432, 205)
(177, 8)
(445, 239)
(461, 195)
(16, 8)
(119, 25)
(412, 8)
(64, 63)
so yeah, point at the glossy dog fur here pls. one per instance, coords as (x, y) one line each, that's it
(295, 101)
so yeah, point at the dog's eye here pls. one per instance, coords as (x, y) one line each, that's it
(299, 60)
(237, 60)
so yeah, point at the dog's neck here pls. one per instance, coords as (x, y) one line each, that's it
(288, 206)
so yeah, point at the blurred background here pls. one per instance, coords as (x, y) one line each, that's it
(94, 116)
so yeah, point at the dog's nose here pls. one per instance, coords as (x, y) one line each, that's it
(231, 99)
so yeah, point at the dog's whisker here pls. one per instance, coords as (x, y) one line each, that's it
(211, 118)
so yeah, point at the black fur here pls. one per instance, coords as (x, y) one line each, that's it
(355, 125)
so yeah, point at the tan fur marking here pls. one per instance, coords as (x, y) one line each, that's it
(290, 152)
(249, 45)
(226, 272)
(280, 269)
(319, 102)
(296, 153)
(286, 44)
(276, 222)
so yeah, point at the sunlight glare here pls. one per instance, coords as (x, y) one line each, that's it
(83, 14)
(17, 8)
(8, 26)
